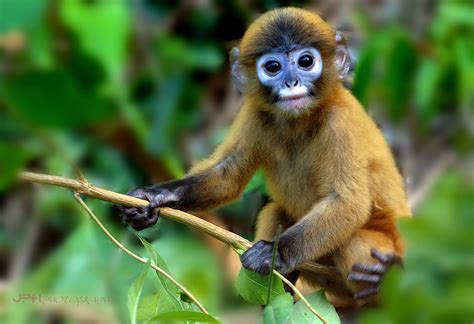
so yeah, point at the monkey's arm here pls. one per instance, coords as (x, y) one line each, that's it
(213, 182)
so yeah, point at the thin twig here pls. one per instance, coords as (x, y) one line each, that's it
(424, 186)
(136, 257)
(300, 295)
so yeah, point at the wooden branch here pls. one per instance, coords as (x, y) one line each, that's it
(85, 188)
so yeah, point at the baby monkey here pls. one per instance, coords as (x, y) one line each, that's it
(334, 185)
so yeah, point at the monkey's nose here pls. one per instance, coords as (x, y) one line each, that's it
(291, 84)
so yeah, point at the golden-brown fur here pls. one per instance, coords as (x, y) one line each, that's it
(329, 171)
(333, 182)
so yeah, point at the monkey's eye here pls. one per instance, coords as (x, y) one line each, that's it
(306, 61)
(272, 66)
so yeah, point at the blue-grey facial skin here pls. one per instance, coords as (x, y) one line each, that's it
(292, 85)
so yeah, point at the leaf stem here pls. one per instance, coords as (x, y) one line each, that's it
(274, 252)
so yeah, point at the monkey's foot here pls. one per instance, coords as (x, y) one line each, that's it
(140, 217)
(372, 273)
(259, 259)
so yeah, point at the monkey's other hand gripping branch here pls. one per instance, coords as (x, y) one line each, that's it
(143, 217)
(259, 259)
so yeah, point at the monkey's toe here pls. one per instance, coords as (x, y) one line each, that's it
(368, 276)
(386, 259)
(372, 291)
(363, 278)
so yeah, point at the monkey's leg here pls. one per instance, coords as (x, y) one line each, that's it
(268, 220)
(363, 261)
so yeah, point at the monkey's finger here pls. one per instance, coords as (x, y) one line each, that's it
(129, 211)
(259, 248)
(143, 221)
(138, 226)
(378, 268)
(255, 257)
(265, 268)
(153, 213)
(254, 253)
(362, 277)
(366, 293)
(152, 218)
(141, 210)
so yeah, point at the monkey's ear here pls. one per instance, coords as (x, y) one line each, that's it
(237, 73)
(342, 60)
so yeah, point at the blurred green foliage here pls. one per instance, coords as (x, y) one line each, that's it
(107, 85)
(437, 282)
(438, 76)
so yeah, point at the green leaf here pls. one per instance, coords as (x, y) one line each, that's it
(365, 69)
(13, 159)
(156, 258)
(398, 77)
(203, 282)
(151, 306)
(254, 288)
(190, 56)
(54, 99)
(427, 85)
(301, 314)
(278, 310)
(186, 316)
(40, 45)
(163, 119)
(172, 290)
(103, 30)
(134, 294)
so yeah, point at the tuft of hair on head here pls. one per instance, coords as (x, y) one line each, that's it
(283, 28)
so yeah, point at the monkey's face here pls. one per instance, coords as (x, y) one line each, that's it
(286, 61)
(289, 77)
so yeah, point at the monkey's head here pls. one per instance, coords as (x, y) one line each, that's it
(287, 58)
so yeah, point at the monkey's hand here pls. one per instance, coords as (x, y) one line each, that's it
(142, 217)
(372, 273)
(259, 259)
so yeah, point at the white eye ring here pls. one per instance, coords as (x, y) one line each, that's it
(316, 66)
(263, 74)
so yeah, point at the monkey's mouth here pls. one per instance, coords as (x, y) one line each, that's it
(295, 102)
(296, 97)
